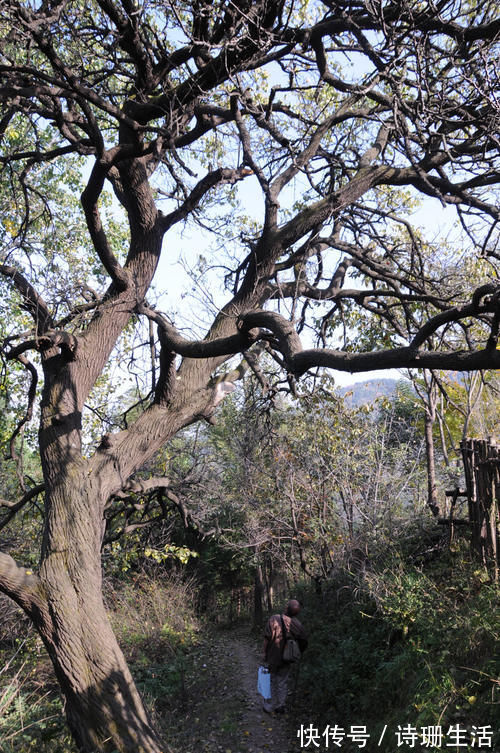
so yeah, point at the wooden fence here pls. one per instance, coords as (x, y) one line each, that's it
(481, 459)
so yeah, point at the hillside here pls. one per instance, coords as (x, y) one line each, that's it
(368, 391)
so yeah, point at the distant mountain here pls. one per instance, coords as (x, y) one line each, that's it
(361, 393)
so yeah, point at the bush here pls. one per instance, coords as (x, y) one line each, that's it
(155, 622)
(405, 644)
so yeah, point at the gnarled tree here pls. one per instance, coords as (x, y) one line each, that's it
(354, 107)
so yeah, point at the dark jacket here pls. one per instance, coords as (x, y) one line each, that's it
(273, 634)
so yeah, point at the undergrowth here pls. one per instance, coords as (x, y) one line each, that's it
(157, 629)
(409, 642)
(31, 712)
(406, 645)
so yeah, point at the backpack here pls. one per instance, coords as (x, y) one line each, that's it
(291, 649)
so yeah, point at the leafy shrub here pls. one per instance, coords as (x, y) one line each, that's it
(405, 644)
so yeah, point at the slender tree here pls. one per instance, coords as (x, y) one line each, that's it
(335, 114)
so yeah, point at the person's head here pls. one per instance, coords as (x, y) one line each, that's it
(293, 607)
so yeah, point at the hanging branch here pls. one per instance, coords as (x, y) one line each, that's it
(90, 197)
(32, 301)
(13, 455)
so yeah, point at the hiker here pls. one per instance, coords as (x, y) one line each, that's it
(279, 627)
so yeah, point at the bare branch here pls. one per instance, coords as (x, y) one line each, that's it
(32, 301)
(173, 341)
(14, 507)
(298, 361)
(90, 197)
(216, 177)
(26, 418)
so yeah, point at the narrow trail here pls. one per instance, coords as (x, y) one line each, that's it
(266, 732)
(223, 711)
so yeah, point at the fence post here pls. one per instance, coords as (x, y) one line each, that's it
(481, 459)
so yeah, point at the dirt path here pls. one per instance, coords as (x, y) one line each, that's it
(223, 711)
(266, 733)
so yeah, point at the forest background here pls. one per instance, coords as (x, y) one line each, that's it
(176, 460)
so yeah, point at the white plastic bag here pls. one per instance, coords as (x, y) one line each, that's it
(264, 683)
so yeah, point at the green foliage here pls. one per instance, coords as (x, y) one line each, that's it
(402, 415)
(33, 723)
(405, 643)
(181, 553)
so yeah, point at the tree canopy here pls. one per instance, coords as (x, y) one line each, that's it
(334, 117)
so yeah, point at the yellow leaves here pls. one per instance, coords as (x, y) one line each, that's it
(12, 133)
(181, 553)
(10, 227)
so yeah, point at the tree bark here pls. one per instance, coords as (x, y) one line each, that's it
(103, 706)
(64, 600)
(432, 497)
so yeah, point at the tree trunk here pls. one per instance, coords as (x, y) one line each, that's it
(258, 592)
(64, 600)
(432, 498)
(269, 572)
(103, 706)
